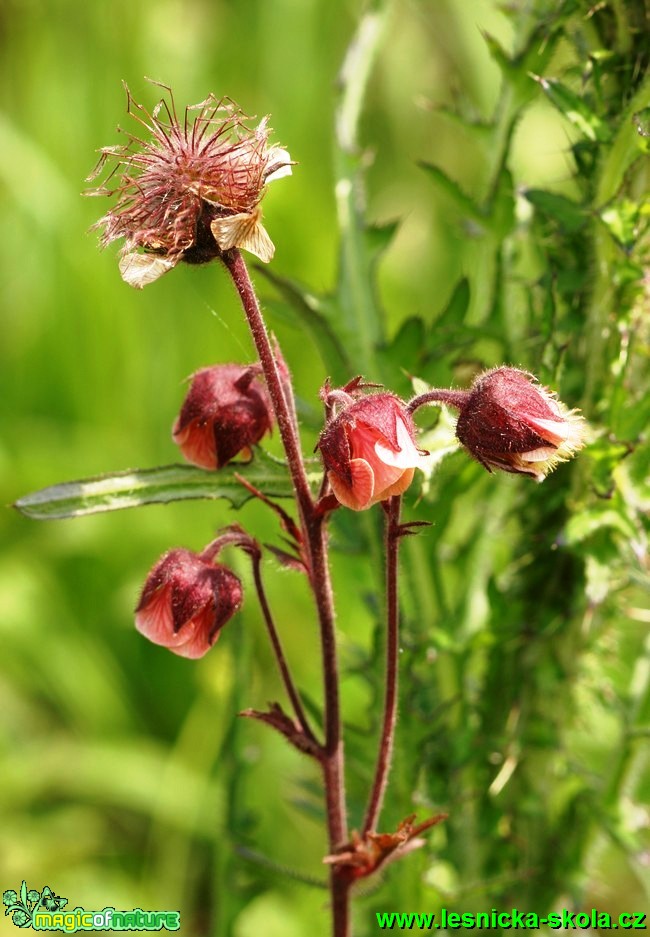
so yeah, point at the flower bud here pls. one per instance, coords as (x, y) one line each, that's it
(510, 422)
(226, 411)
(186, 601)
(369, 451)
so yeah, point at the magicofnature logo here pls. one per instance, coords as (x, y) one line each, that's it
(43, 910)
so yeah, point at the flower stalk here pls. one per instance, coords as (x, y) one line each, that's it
(392, 538)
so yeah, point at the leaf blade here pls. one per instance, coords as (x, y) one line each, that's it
(160, 485)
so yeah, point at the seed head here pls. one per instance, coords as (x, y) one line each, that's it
(190, 189)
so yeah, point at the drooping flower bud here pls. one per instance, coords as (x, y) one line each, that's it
(369, 451)
(192, 190)
(226, 411)
(509, 422)
(186, 601)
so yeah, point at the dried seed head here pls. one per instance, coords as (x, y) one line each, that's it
(226, 411)
(369, 449)
(186, 601)
(189, 191)
(511, 423)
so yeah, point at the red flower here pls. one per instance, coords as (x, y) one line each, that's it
(510, 422)
(186, 601)
(191, 191)
(369, 451)
(226, 411)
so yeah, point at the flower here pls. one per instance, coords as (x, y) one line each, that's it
(21, 918)
(192, 190)
(226, 411)
(186, 601)
(9, 897)
(509, 422)
(369, 451)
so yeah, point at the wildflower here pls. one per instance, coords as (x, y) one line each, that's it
(369, 451)
(186, 601)
(192, 190)
(226, 411)
(508, 421)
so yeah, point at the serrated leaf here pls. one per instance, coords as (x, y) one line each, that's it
(568, 214)
(499, 55)
(113, 492)
(575, 109)
(451, 188)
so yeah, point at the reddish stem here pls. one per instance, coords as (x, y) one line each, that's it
(287, 679)
(315, 540)
(453, 398)
(393, 534)
(237, 269)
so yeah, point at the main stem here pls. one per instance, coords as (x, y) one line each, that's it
(315, 540)
(392, 653)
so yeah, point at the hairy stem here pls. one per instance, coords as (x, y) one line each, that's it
(314, 535)
(392, 653)
(285, 673)
(237, 269)
(453, 398)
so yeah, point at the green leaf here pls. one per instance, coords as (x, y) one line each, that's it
(599, 517)
(161, 485)
(456, 309)
(575, 109)
(568, 214)
(451, 188)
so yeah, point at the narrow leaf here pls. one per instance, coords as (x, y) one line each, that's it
(155, 486)
(575, 109)
(462, 201)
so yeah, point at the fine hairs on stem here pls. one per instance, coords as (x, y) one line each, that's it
(314, 536)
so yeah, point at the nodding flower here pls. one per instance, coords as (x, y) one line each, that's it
(190, 190)
(226, 411)
(369, 450)
(186, 601)
(510, 422)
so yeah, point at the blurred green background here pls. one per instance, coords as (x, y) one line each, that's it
(125, 778)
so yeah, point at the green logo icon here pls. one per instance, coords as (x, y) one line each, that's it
(23, 905)
(43, 911)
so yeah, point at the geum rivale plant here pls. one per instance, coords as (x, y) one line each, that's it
(190, 191)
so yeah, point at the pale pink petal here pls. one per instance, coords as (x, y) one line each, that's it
(539, 455)
(357, 496)
(197, 444)
(243, 230)
(407, 455)
(156, 623)
(279, 163)
(138, 270)
(552, 431)
(399, 487)
(197, 635)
